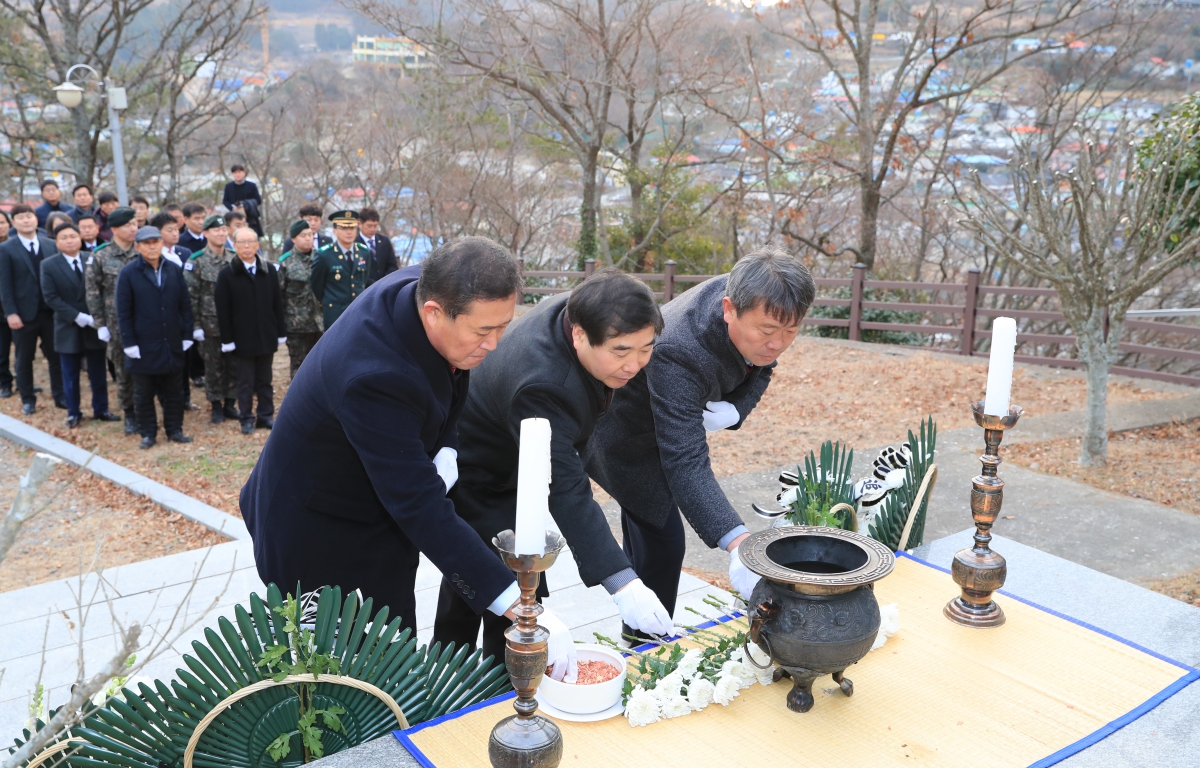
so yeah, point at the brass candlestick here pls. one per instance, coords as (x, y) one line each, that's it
(979, 570)
(526, 739)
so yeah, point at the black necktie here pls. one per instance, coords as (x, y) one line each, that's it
(32, 250)
(75, 266)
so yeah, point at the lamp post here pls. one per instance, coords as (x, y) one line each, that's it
(70, 96)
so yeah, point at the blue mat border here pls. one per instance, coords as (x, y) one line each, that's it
(1191, 675)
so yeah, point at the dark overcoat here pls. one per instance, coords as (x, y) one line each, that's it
(345, 491)
(155, 318)
(535, 373)
(383, 259)
(20, 280)
(650, 452)
(66, 293)
(250, 308)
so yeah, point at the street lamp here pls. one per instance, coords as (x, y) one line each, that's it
(70, 96)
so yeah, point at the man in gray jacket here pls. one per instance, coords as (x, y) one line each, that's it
(710, 367)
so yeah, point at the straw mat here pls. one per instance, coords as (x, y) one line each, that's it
(1030, 692)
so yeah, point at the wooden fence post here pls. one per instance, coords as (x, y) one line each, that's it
(856, 299)
(589, 267)
(669, 282)
(968, 328)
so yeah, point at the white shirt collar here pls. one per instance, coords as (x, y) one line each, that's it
(27, 242)
(72, 260)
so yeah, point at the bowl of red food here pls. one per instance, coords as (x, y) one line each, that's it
(597, 687)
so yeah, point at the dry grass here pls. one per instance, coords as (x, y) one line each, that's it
(1185, 588)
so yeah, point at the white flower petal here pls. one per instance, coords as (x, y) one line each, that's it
(700, 693)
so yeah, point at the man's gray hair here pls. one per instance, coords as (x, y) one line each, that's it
(775, 280)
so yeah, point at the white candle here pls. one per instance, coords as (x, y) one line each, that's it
(533, 487)
(1000, 367)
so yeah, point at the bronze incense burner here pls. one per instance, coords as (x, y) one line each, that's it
(814, 610)
(526, 739)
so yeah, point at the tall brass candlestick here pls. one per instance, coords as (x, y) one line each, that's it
(526, 739)
(979, 570)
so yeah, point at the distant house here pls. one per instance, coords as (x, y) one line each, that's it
(390, 52)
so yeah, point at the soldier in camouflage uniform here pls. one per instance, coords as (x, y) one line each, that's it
(301, 310)
(200, 272)
(340, 269)
(103, 266)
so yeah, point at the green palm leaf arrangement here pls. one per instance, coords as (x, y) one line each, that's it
(285, 725)
(887, 526)
(824, 483)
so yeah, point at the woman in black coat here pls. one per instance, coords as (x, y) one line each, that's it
(250, 315)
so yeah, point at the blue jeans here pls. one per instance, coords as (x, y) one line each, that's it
(97, 376)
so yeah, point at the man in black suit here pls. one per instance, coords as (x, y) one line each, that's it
(89, 230)
(84, 202)
(383, 256)
(360, 459)
(75, 336)
(29, 315)
(243, 195)
(192, 234)
(51, 202)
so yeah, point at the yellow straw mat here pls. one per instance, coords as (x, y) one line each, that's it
(936, 694)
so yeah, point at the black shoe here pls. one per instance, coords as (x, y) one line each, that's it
(218, 414)
(130, 423)
(6, 391)
(178, 437)
(60, 403)
(198, 382)
(73, 421)
(248, 427)
(147, 442)
(28, 409)
(106, 416)
(37, 390)
(190, 407)
(231, 411)
(264, 422)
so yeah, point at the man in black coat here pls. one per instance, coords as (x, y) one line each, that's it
(75, 337)
(250, 315)
(383, 256)
(192, 235)
(154, 313)
(562, 362)
(29, 315)
(243, 195)
(346, 491)
(51, 202)
(711, 365)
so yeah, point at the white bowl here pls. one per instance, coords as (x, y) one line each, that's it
(586, 699)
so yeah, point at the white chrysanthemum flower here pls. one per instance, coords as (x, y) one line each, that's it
(761, 659)
(690, 663)
(739, 671)
(700, 693)
(676, 706)
(788, 497)
(668, 687)
(642, 708)
(726, 690)
(889, 623)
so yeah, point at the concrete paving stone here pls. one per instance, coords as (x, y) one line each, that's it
(32, 437)
(42, 599)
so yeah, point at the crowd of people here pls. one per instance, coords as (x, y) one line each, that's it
(170, 300)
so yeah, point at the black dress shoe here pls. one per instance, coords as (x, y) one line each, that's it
(179, 437)
(218, 414)
(106, 416)
(231, 411)
(28, 409)
(264, 422)
(73, 421)
(198, 382)
(60, 403)
(130, 423)
(248, 427)
(37, 390)
(147, 442)
(5, 391)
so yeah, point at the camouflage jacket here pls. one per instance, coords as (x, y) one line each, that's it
(338, 278)
(200, 273)
(301, 310)
(103, 265)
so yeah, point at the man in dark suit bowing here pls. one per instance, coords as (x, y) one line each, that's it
(29, 316)
(383, 256)
(75, 337)
(351, 485)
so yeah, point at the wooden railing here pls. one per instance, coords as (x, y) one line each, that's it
(964, 316)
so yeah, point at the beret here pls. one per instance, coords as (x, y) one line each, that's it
(296, 228)
(213, 220)
(120, 216)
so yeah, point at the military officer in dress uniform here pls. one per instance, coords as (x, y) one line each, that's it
(340, 269)
(200, 272)
(301, 311)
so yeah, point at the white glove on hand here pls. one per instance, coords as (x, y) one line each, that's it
(229, 347)
(187, 344)
(198, 334)
(641, 609)
(83, 320)
(280, 340)
(560, 648)
(103, 333)
(720, 415)
(133, 352)
(742, 578)
(446, 463)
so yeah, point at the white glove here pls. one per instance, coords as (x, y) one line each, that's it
(187, 345)
(742, 578)
(198, 334)
(103, 333)
(560, 648)
(280, 340)
(446, 463)
(133, 352)
(229, 347)
(83, 320)
(720, 415)
(641, 609)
